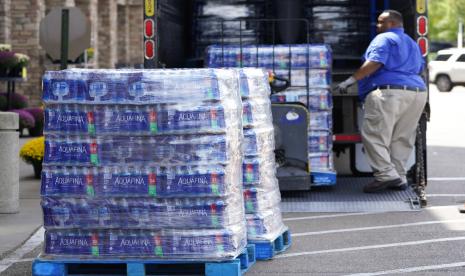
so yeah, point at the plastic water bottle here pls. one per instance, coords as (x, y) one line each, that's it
(319, 141)
(72, 243)
(250, 169)
(130, 243)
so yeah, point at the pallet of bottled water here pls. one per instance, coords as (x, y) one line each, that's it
(301, 64)
(298, 56)
(261, 190)
(144, 163)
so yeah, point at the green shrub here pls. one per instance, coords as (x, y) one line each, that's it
(18, 101)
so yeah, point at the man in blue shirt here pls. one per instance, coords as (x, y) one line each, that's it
(394, 96)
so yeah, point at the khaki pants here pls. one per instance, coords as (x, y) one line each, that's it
(389, 129)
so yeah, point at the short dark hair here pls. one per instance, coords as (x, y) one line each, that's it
(395, 16)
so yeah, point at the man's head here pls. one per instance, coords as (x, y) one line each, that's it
(389, 19)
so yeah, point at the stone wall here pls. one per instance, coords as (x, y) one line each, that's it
(24, 37)
(116, 35)
(5, 21)
(136, 39)
(123, 35)
(107, 31)
(90, 10)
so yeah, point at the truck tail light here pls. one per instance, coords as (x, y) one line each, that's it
(149, 49)
(423, 43)
(347, 138)
(149, 29)
(422, 25)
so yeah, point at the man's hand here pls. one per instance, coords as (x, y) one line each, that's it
(342, 87)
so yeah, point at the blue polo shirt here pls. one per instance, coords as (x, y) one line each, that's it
(401, 58)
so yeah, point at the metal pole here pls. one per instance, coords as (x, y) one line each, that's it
(8, 94)
(151, 13)
(460, 36)
(64, 38)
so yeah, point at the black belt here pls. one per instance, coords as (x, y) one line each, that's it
(402, 87)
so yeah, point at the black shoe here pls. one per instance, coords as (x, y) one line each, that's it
(377, 186)
(401, 187)
(422, 197)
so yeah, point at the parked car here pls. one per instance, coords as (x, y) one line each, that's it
(448, 69)
(435, 46)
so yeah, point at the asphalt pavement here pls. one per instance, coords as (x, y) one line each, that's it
(426, 242)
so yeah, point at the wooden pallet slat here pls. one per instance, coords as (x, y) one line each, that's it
(266, 250)
(139, 267)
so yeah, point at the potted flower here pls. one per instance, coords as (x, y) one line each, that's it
(7, 61)
(33, 153)
(11, 63)
(26, 119)
(18, 101)
(21, 61)
(38, 114)
(5, 47)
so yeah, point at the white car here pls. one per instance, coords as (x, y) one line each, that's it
(448, 69)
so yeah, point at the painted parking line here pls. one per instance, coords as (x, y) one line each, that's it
(369, 247)
(25, 260)
(34, 241)
(328, 216)
(446, 178)
(376, 227)
(444, 195)
(411, 269)
(359, 214)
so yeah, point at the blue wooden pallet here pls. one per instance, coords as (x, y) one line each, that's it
(265, 250)
(323, 178)
(142, 267)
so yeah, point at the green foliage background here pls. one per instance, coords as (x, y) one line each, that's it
(444, 16)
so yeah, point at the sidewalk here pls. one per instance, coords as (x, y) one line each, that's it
(17, 228)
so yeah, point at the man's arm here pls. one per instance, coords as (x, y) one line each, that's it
(368, 68)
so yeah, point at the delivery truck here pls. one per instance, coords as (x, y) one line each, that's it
(181, 33)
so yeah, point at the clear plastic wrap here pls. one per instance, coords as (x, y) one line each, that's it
(260, 170)
(321, 120)
(336, 21)
(143, 150)
(140, 181)
(317, 78)
(228, 9)
(141, 213)
(258, 141)
(254, 83)
(319, 141)
(318, 99)
(259, 200)
(257, 113)
(133, 86)
(211, 29)
(217, 244)
(209, 25)
(140, 119)
(321, 162)
(343, 24)
(343, 42)
(143, 163)
(270, 57)
(267, 225)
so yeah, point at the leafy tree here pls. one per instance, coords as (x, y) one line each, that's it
(444, 17)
